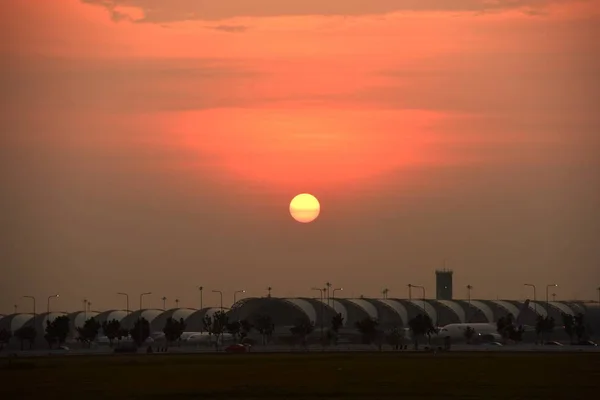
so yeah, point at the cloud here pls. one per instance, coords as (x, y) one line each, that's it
(230, 28)
(140, 85)
(185, 10)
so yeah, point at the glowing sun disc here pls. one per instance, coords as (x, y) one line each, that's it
(305, 208)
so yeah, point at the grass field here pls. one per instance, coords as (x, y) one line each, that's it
(306, 376)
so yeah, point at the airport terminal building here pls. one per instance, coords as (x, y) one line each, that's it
(286, 312)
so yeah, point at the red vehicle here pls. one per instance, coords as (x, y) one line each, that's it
(237, 348)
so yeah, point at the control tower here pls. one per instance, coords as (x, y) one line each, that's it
(443, 284)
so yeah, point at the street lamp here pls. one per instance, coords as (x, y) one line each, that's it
(235, 295)
(200, 288)
(176, 303)
(384, 293)
(423, 289)
(85, 309)
(164, 299)
(534, 298)
(51, 297)
(32, 298)
(333, 297)
(410, 291)
(469, 288)
(598, 289)
(548, 287)
(221, 294)
(269, 291)
(328, 285)
(553, 296)
(141, 298)
(322, 294)
(127, 300)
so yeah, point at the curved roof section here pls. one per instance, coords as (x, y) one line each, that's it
(77, 319)
(429, 309)
(304, 306)
(508, 307)
(454, 307)
(336, 307)
(563, 308)
(537, 308)
(397, 307)
(176, 313)
(14, 322)
(367, 307)
(484, 308)
(148, 314)
(109, 315)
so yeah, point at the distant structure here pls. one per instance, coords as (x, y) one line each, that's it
(443, 284)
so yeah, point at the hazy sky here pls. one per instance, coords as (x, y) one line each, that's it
(154, 145)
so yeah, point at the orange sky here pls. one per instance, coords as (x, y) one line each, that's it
(136, 137)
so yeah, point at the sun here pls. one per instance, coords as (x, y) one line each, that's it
(305, 208)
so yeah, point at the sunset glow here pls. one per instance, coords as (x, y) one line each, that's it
(146, 135)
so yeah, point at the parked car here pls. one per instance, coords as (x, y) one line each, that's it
(237, 348)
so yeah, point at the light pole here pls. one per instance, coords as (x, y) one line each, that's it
(235, 295)
(201, 288)
(269, 291)
(410, 291)
(598, 289)
(469, 288)
(220, 294)
(164, 299)
(322, 294)
(333, 297)
(534, 298)
(127, 300)
(16, 307)
(176, 303)
(384, 293)
(89, 304)
(85, 309)
(34, 314)
(548, 287)
(51, 297)
(328, 285)
(553, 296)
(423, 289)
(141, 298)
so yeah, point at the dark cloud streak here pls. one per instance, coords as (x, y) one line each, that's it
(156, 11)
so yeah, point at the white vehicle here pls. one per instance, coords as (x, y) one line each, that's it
(483, 331)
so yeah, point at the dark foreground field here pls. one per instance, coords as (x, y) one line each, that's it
(305, 376)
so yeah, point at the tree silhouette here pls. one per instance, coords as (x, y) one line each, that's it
(245, 329)
(580, 328)
(26, 334)
(421, 326)
(216, 325)
(301, 330)
(112, 330)
(89, 331)
(5, 336)
(234, 328)
(368, 329)
(57, 330)
(569, 325)
(469, 333)
(337, 321)
(140, 331)
(396, 337)
(173, 329)
(264, 325)
(544, 325)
